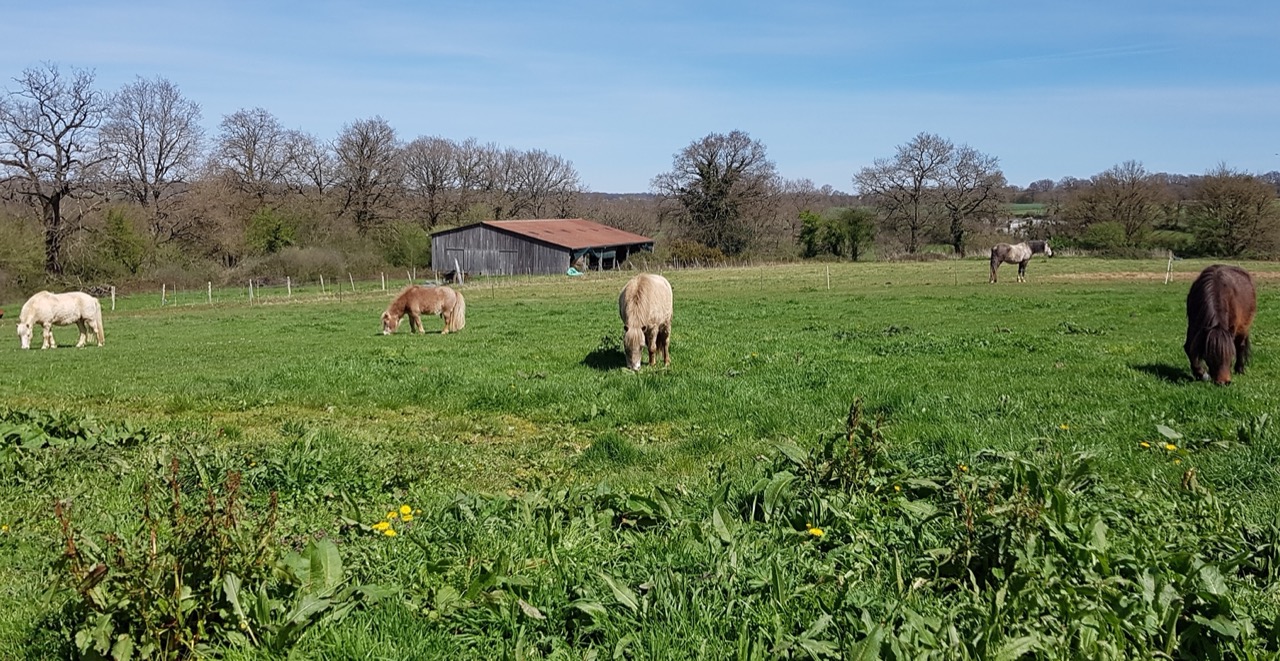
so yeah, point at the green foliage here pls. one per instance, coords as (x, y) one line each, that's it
(21, 257)
(407, 245)
(683, 252)
(33, 443)
(122, 244)
(186, 578)
(1105, 236)
(846, 233)
(270, 231)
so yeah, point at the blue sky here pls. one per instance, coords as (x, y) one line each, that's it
(618, 86)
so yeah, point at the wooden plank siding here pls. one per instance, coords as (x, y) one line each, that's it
(480, 250)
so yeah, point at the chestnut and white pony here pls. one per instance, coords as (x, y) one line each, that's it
(645, 308)
(1019, 253)
(49, 310)
(416, 300)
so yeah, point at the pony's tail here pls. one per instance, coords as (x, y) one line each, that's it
(458, 318)
(97, 323)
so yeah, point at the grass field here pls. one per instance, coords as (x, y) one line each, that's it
(726, 507)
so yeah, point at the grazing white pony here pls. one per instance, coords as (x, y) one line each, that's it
(48, 310)
(645, 308)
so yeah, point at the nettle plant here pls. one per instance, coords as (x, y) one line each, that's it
(1022, 553)
(188, 577)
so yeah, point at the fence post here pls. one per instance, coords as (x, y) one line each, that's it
(251, 292)
(353, 281)
(322, 285)
(164, 292)
(384, 281)
(113, 298)
(1168, 273)
(828, 277)
(210, 292)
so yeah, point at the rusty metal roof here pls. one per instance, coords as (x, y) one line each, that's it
(572, 233)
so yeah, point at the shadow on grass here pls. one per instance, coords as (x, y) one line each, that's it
(1167, 373)
(605, 359)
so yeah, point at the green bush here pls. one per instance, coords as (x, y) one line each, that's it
(270, 231)
(407, 245)
(185, 578)
(683, 252)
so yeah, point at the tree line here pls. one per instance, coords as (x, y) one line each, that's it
(98, 184)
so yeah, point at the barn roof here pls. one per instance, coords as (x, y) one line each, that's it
(571, 233)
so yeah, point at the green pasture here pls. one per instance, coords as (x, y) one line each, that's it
(569, 508)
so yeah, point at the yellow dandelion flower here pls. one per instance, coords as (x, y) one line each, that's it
(392, 515)
(1144, 444)
(1064, 426)
(1170, 447)
(389, 532)
(405, 509)
(407, 518)
(1177, 461)
(964, 469)
(381, 525)
(816, 532)
(897, 488)
(4, 529)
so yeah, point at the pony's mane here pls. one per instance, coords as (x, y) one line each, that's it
(1209, 303)
(1037, 246)
(400, 302)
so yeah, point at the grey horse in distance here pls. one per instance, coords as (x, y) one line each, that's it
(1020, 253)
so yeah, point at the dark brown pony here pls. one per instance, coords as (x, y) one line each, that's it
(416, 300)
(1220, 309)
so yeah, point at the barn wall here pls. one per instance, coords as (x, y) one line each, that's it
(483, 251)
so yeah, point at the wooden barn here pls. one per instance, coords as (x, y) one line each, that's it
(514, 247)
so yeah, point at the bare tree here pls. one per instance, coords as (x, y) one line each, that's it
(311, 168)
(904, 187)
(49, 152)
(154, 136)
(1125, 194)
(479, 174)
(431, 177)
(253, 153)
(540, 185)
(718, 188)
(369, 171)
(971, 187)
(1234, 213)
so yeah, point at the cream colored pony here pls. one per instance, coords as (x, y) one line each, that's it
(416, 300)
(645, 308)
(49, 310)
